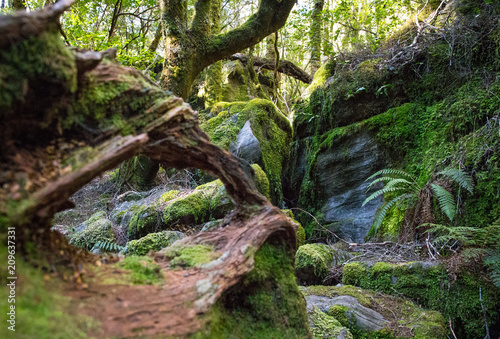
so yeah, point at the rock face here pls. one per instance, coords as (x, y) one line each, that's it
(342, 171)
(364, 317)
(329, 180)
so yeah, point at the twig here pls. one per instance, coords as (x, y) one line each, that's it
(484, 314)
(451, 329)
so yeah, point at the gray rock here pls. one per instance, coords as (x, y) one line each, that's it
(246, 146)
(211, 224)
(342, 172)
(366, 318)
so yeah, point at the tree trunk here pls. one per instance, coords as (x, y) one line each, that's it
(116, 112)
(315, 35)
(189, 51)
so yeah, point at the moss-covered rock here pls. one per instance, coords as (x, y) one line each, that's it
(325, 326)
(271, 128)
(153, 241)
(301, 233)
(402, 318)
(431, 287)
(96, 229)
(313, 262)
(266, 304)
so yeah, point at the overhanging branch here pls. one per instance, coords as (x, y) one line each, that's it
(285, 67)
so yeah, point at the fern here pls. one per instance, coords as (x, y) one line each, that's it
(379, 217)
(391, 171)
(381, 192)
(460, 177)
(446, 201)
(492, 262)
(107, 246)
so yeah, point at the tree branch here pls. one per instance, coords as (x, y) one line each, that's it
(270, 16)
(285, 67)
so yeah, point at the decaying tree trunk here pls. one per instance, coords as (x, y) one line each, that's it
(73, 114)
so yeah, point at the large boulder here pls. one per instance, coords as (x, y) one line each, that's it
(255, 131)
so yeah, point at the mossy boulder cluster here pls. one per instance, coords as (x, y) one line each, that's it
(153, 242)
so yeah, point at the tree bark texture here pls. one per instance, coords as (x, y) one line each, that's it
(315, 35)
(100, 114)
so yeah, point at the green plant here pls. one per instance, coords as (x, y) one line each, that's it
(403, 189)
(107, 246)
(477, 244)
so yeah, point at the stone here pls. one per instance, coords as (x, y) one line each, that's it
(247, 146)
(364, 317)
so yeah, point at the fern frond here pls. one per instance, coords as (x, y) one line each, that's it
(381, 192)
(460, 177)
(492, 262)
(446, 201)
(379, 217)
(108, 246)
(392, 171)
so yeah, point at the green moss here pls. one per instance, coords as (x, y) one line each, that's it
(266, 304)
(152, 241)
(170, 195)
(432, 288)
(317, 257)
(319, 79)
(325, 326)
(206, 202)
(43, 60)
(261, 180)
(143, 270)
(190, 256)
(42, 311)
(96, 229)
(338, 312)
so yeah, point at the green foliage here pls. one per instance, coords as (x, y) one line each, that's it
(108, 246)
(477, 244)
(404, 190)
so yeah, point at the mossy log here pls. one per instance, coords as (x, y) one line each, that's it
(77, 114)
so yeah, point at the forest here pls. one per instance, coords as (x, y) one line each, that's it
(250, 169)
